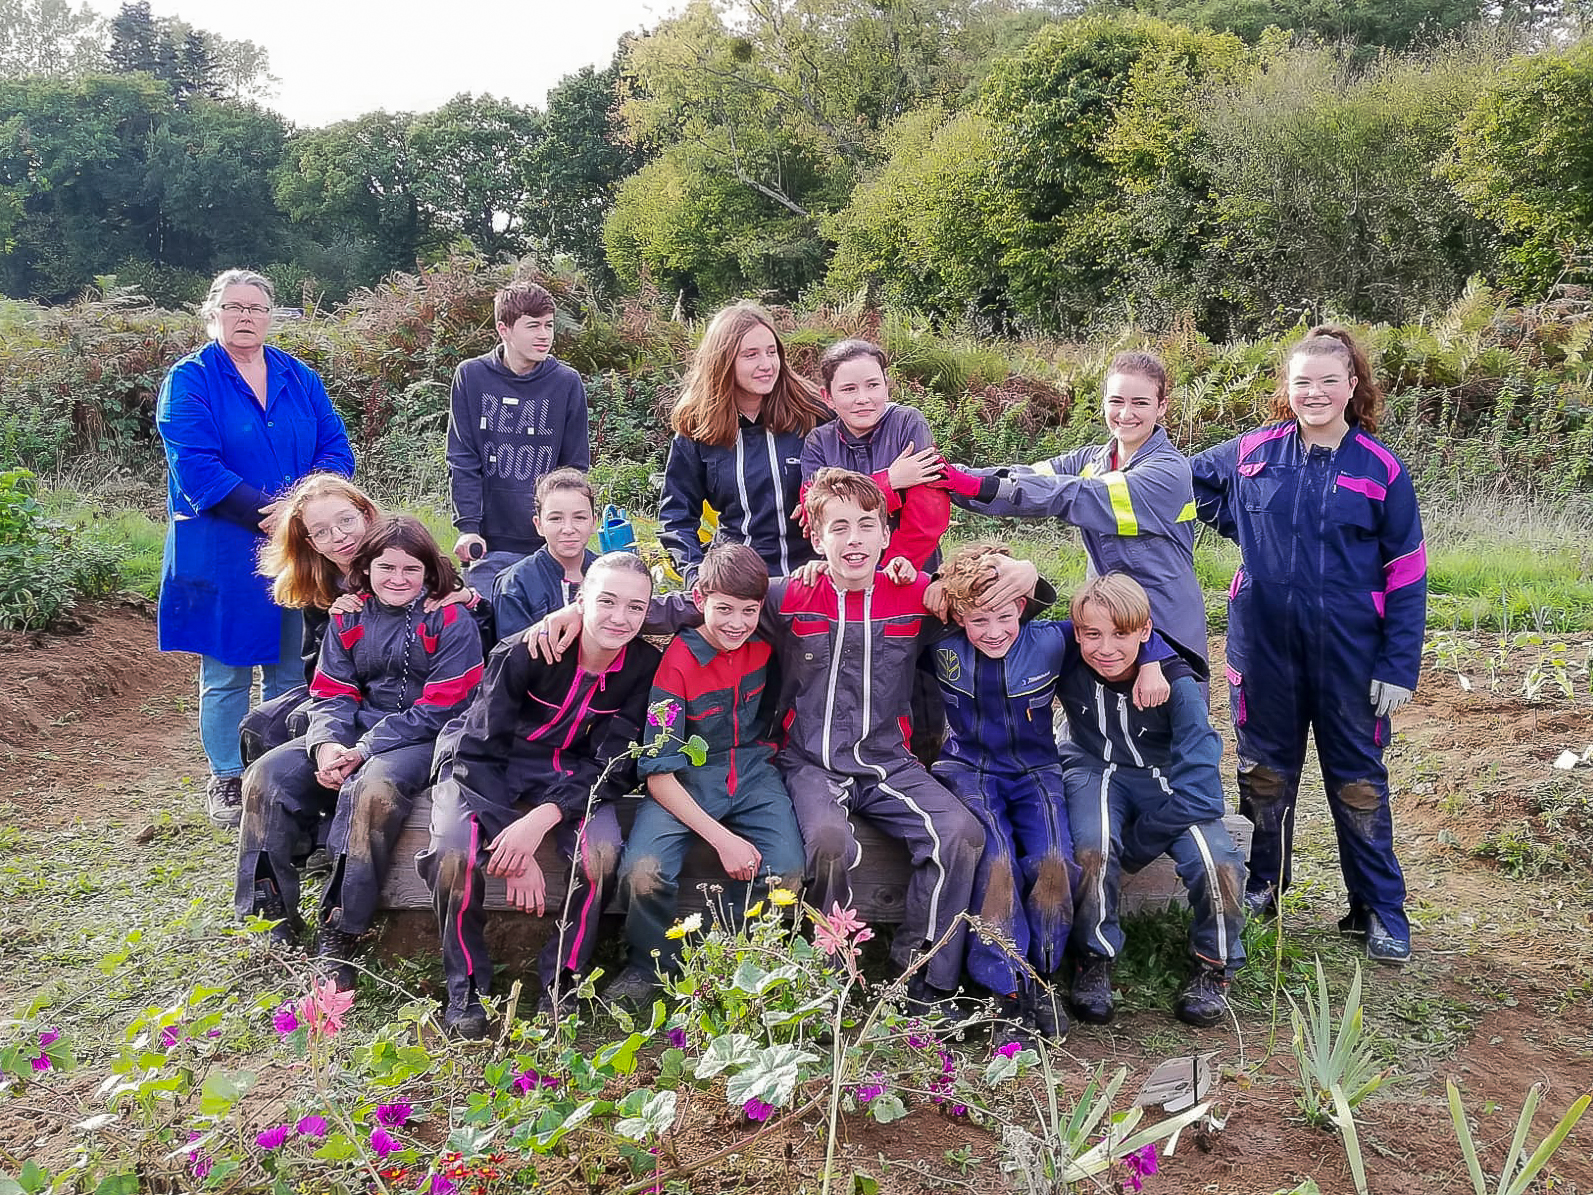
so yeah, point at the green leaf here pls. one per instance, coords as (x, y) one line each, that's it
(33, 1177)
(671, 1067)
(553, 1126)
(656, 1115)
(733, 1049)
(696, 750)
(621, 1056)
(864, 1183)
(222, 1089)
(118, 1184)
(338, 1147)
(887, 1107)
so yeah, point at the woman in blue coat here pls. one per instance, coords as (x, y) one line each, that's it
(1325, 621)
(241, 423)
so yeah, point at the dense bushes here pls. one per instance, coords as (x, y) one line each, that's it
(44, 566)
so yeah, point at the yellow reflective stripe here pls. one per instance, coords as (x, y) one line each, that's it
(1187, 514)
(708, 524)
(1089, 470)
(1043, 468)
(1122, 504)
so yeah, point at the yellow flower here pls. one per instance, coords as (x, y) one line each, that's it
(681, 928)
(781, 897)
(675, 931)
(755, 909)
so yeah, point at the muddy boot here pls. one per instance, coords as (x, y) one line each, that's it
(334, 952)
(1046, 1012)
(1203, 1000)
(468, 1021)
(1262, 904)
(1013, 1022)
(633, 989)
(224, 800)
(1382, 946)
(268, 905)
(1091, 996)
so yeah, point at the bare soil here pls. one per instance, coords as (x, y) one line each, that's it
(96, 725)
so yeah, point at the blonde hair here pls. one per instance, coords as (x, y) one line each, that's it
(965, 578)
(301, 575)
(1123, 598)
(706, 411)
(844, 485)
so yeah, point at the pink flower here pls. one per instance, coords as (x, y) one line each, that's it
(272, 1138)
(383, 1142)
(756, 1109)
(871, 1090)
(49, 1037)
(41, 1063)
(311, 1126)
(840, 933)
(322, 1010)
(1010, 1050)
(528, 1081)
(198, 1163)
(437, 1184)
(284, 1020)
(393, 1116)
(677, 1038)
(170, 1036)
(1140, 1164)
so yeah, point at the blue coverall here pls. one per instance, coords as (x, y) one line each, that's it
(1332, 595)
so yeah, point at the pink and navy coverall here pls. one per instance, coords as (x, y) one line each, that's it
(387, 681)
(1332, 595)
(536, 734)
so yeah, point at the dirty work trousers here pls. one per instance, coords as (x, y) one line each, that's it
(943, 841)
(1023, 886)
(1274, 703)
(274, 722)
(282, 805)
(759, 810)
(454, 867)
(1123, 818)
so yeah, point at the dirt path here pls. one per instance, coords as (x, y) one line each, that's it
(97, 727)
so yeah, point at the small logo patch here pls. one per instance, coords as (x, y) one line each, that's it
(950, 665)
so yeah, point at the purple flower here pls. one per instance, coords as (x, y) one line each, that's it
(286, 1020)
(214, 1033)
(677, 1038)
(959, 1109)
(49, 1037)
(920, 1041)
(1139, 1164)
(272, 1138)
(383, 1142)
(756, 1109)
(198, 1163)
(871, 1090)
(311, 1126)
(527, 1081)
(1010, 1050)
(438, 1184)
(170, 1036)
(393, 1116)
(41, 1063)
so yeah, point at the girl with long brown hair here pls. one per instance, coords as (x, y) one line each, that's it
(739, 427)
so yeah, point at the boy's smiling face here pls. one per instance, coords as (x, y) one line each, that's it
(727, 621)
(993, 631)
(1110, 653)
(851, 540)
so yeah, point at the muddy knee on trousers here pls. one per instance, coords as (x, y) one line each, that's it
(374, 805)
(1362, 800)
(643, 878)
(1231, 885)
(1053, 887)
(1000, 897)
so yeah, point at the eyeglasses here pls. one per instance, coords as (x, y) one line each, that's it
(348, 524)
(245, 309)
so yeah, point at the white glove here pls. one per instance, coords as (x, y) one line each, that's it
(1386, 697)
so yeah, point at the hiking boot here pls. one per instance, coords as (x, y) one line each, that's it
(224, 800)
(633, 989)
(1046, 1012)
(1013, 1022)
(1091, 996)
(1261, 904)
(467, 1022)
(267, 904)
(334, 951)
(1353, 923)
(318, 862)
(1382, 946)
(1203, 1000)
(925, 1000)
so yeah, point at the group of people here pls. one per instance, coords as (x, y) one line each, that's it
(835, 666)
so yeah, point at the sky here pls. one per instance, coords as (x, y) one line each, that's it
(338, 59)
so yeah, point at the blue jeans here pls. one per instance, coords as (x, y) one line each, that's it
(225, 692)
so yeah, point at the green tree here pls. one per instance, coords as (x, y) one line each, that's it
(478, 180)
(49, 37)
(1392, 24)
(1523, 160)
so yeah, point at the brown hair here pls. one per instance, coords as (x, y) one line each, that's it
(734, 570)
(965, 577)
(1139, 364)
(706, 411)
(843, 484)
(301, 575)
(520, 299)
(1365, 408)
(408, 535)
(841, 352)
(623, 561)
(1122, 597)
(566, 478)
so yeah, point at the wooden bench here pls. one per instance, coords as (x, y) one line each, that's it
(877, 889)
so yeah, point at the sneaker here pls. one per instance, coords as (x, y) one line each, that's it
(927, 1001)
(268, 904)
(1382, 946)
(333, 951)
(224, 800)
(1012, 1022)
(1091, 996)
(466, 1023)
(633, 989)
(1261, 904)
(1046, 1012)
(1203, 1000)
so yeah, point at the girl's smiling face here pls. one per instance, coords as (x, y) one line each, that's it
(397, 578)
(858, 394)
(1132, 406)
(1320, 386)
(335, 527)
(757, 361)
